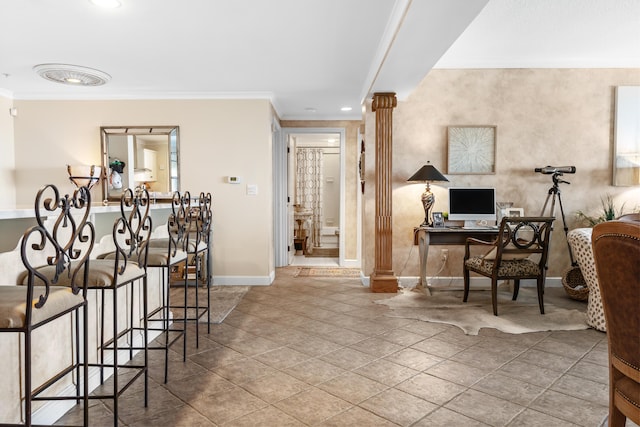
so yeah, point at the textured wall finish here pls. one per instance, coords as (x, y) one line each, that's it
(543, 116)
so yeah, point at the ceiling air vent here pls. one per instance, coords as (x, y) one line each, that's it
(74, 75)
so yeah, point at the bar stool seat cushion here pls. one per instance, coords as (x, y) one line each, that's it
(155, 257)
(192, 246)
(100, 274)
(13, 306)
(159, 257)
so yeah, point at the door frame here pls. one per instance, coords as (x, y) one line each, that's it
(283, 203)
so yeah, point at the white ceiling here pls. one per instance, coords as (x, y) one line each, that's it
(309, 57)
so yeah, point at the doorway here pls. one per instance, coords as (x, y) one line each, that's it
(314, 177)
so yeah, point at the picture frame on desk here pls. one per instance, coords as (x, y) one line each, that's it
(438, 220)
(517, 212)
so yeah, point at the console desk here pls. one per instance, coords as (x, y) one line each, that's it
(425, 236)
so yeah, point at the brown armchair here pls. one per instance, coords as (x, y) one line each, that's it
(510, 256)
(616, 249)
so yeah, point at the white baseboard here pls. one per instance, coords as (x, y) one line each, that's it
(244, 280)
(351, 263)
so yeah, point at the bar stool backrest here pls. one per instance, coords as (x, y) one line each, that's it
(176, 223)
(65, 245)
(206, 217)
(132, 229)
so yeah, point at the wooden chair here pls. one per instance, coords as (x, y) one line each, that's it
(616, 250)
(511, 256)
(39, 299)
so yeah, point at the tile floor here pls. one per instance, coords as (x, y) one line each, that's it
(318, 352)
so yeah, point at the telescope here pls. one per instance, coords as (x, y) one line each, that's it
(547, 170)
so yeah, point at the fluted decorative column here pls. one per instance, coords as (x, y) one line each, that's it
(383, 279)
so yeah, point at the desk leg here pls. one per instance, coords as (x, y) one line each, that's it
(423, 248)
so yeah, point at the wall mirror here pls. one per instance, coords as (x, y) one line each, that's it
(134, 156)
(626, 156)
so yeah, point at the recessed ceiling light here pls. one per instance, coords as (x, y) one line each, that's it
(74, 75)
(310, 109)
(110, 4)
(346, 109)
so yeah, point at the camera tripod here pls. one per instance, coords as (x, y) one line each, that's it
(553, 194)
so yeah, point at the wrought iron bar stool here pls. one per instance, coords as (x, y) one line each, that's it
(167, 254)
(40, 299)
(205, 232)
(125, 266)
(196, 244)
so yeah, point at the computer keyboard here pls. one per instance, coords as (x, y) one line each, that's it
(480, 227)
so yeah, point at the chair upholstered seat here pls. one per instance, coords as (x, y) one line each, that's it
(13, 306)
(100, 274)
(507, 268)
(193, 245)
(158, 257)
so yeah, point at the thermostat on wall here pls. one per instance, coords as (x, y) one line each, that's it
(234, 179)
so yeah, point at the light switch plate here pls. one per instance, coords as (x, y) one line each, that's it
(252, 190)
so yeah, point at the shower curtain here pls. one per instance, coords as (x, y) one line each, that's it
(309, 177)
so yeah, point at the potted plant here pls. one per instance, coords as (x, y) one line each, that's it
(609, 212)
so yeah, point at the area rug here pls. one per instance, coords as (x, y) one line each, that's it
(324, 252)
(223, 300)
(327, 272)
(515, 317)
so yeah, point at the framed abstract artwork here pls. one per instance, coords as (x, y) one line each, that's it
(471, 149)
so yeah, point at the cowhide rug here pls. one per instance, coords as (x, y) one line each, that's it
(515, 317)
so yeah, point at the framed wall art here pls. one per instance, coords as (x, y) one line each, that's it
(471, 149)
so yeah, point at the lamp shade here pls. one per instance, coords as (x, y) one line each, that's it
(427, 173)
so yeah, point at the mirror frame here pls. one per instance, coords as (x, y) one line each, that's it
(626, 142)
(106, 131)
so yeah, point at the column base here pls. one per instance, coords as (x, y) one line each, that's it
(383, 283)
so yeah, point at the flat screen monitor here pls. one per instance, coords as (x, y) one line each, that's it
(473, 205)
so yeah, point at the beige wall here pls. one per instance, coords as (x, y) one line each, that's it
(7, 159)
(217, 138)
(543, 117)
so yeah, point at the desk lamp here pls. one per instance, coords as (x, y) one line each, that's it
(427, 173)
